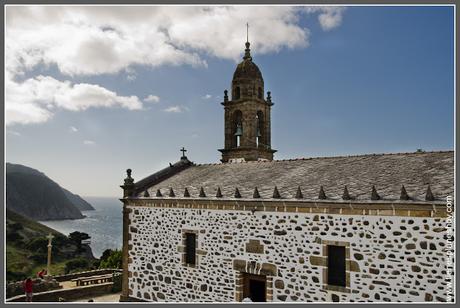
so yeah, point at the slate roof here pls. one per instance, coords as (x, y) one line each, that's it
(387, 172)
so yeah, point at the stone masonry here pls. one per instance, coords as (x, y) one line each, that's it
(389, 258)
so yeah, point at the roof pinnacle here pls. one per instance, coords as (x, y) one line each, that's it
(404, 195)
(346, 194)
(429, 194)
(237, 193)
(374, 194)
(219, 193)
(298, 194)
(202, 193)
(256, 193)
(322, 194)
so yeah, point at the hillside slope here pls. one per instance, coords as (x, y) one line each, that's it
(31, 193)
(78, 201)
(26, 247)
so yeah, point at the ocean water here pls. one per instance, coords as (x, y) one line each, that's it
(104, 225)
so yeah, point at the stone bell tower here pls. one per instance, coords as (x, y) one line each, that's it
(247, 115)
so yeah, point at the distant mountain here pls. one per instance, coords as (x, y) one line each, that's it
(78, 201)
(31, 193)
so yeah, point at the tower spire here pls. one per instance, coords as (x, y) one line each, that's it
(247, 51)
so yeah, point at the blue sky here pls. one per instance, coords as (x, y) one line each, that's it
(359, 80)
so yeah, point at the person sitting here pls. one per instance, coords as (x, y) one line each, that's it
(41, 274)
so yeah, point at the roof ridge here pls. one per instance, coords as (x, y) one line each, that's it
(368, 155)
(162, 174)
(329, 157)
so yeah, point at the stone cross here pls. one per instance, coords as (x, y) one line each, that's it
(48, 265)
(183, 150)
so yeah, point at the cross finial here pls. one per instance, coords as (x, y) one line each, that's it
(247, 32)
(247, 51)
(183, 150)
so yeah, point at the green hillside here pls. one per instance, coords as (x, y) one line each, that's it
(31, 227)
(26, 249)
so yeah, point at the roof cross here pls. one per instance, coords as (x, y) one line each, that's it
(183, 150)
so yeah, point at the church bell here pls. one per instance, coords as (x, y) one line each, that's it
(239, 130)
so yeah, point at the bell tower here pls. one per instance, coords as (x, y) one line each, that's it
(247, 115)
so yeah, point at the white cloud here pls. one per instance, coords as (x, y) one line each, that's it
(73, 129)
(207, 96)
(89, 142)
(152, 99)
(329, 17)
(89, 40)
(174, 109)
(35, 99)
(94, 40)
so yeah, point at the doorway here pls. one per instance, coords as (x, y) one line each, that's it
(255, 287)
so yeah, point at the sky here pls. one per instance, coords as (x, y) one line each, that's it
(92, 91)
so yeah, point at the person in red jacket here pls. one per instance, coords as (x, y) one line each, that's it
(28, 289)
(41, 274)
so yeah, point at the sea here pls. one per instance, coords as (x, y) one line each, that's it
(104, 225)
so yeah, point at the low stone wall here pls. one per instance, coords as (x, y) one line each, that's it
(68, 294)
(40, 285)
(68, 277)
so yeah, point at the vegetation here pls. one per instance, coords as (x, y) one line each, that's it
(111, 259)
(27, 249)
(76, 265)
(77, 238)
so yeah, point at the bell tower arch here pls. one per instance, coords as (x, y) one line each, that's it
(247, 115)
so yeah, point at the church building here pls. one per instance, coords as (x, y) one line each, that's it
(364, 228)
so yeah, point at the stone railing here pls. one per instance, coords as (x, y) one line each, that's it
(68, 295)
(40, 285)
(105, 271)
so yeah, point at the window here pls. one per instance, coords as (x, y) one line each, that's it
(237, 128)
(260, 128)
(237, 93)
(260, 93)
(190, 248)
(336, 266)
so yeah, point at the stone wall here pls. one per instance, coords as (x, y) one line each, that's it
(68, 294)
(40, 285)
(388, 258)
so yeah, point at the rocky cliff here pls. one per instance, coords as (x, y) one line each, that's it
(31, 193)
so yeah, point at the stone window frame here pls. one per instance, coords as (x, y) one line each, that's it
(198, 251)
(243, 267)
(348, 266)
